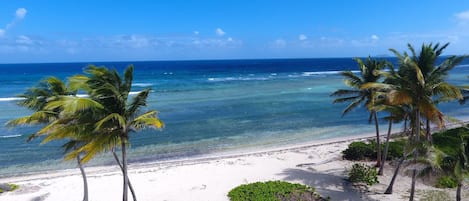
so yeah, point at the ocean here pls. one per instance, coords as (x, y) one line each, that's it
(209, 107)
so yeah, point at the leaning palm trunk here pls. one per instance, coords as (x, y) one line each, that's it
(85, 182)
(378, 143)
(458, 192)
(396, 172)
(385, 154)
(122, 169)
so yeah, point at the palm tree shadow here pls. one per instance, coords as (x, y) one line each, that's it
(334, 186)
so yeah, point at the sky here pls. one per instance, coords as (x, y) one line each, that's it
(34, 31)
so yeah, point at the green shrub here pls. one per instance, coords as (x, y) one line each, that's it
(446, 182)
(272, 191)
(358, 151)
(361, 150)
(363, 173)
(8, 187)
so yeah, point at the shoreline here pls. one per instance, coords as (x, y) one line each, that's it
(236, 153)
(316, 163)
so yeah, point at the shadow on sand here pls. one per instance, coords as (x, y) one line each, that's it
(336, 187)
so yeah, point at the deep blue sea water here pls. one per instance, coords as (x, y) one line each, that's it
(208, 107)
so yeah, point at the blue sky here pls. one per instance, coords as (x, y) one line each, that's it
(85, 30)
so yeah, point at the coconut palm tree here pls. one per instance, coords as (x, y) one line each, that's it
(418, 83)
(118, 116)
(37, 99)
(358, 96)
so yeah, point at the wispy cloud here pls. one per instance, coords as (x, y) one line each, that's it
(279, 43)
(463, 16)
(374, 37)
(219, 32)
(20, 14)
(302, 37)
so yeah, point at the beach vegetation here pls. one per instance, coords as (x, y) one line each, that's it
(357, 95)
(39, 99)
(420, 84)
(274, 191)
(362, 173)
(115, 115)
(8, 187)
(446, 182)
(360, 150)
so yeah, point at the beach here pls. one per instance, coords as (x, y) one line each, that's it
(318, 164)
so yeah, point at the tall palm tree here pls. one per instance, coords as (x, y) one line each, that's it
(37, 99)
(358, 96)
(417, 84)
(118, 117)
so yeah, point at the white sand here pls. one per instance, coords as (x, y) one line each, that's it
(318, 164)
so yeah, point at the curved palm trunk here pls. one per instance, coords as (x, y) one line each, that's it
(85, 182)
(124, 170)
(378, 143)
(458, 192)
(385, 154)
(134, 197)
(396, 172)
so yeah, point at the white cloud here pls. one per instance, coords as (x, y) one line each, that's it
(24, 40)
(374, 37)
(219, 32)
(302, 37)
(279, 43)
(230, 39)
(20, 13)
(463, 16)
(196, 32)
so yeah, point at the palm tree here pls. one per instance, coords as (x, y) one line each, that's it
(358, 96)
(118, 117)
(417, 84)
(37, 99)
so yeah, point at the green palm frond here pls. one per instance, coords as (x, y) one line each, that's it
(114, 117)
(138, 101)
(148, 119)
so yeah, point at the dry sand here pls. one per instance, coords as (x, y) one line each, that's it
(318, 164)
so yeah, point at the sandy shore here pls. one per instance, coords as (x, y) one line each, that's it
(318, 164)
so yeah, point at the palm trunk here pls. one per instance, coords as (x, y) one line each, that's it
(378, 143)
(458, 192)
(416, 141)
(124, 169)
(134, 197)
(85, 182)
(396, 172)
(385, 154)
(414, 177)
(428, 134)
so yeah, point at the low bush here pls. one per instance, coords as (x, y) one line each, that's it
(358, 151)
(446, 182)
(8, 187)
(361, 173)
(367, 150)
(274, 191)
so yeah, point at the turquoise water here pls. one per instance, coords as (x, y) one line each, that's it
(208, 107)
